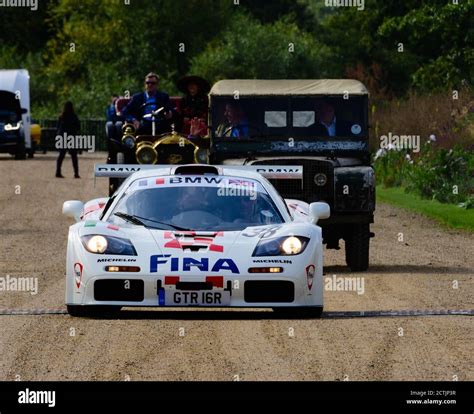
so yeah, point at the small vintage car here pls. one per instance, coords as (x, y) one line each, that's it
(169, 147)
(321, 125)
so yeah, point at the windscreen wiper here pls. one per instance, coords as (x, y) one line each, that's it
(129, 218)
(161, 222)
(138, 221)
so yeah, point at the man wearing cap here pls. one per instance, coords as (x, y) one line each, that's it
(144, 103)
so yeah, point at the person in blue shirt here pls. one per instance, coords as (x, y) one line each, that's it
(235, 124)
(114, 122)
(146, 102)
(110, 114)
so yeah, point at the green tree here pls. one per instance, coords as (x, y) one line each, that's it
(436, 36)
(278, 50)
(108, 46)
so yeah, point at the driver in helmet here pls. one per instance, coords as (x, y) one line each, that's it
(193, 198)
(195, 206)
(144, 103)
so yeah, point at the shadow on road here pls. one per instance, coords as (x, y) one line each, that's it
(396, 268)
(200, 315)
(219, 315)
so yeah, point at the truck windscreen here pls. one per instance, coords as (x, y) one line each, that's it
(283, 117)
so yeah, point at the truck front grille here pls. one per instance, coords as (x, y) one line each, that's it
(307, 190)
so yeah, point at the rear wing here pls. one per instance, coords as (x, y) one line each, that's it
(272, 172)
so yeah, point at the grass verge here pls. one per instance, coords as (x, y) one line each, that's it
(447, 214)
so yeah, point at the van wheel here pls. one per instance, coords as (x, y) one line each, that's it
(20, 153)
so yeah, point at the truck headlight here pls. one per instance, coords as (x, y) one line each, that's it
(320, 179)
(98, 244)
(281, 246)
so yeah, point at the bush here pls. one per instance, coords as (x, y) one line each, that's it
(450, 120)
(443, 175)
(392, 168)
(435, 173)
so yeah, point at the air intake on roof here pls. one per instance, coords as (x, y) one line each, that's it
(196, 170)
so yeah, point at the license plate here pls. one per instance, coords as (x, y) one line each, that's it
(171, 297)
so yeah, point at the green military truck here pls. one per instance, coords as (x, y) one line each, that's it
(320, 125)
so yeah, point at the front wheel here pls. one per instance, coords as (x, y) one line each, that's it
(357, 247)
(302, 312)
(92, 311)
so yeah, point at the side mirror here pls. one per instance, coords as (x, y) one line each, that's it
(319, 211)
(24, 110)
(73, 208)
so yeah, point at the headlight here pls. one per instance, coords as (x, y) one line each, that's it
(95, 243)
(128, 129)
(146, 154)
(281, 246)
(128, 141)
(320, 179)
(11, 127)
(202, 156)
(292, 245)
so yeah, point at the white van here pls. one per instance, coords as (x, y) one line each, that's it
(15, 115)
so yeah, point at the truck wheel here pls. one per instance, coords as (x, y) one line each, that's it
(357, 247)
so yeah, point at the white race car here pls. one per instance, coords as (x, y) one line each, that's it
(195, 235)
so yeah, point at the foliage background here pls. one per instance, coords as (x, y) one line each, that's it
(411, 55)
(116, 44)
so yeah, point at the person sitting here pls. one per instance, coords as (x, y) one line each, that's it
(194, 105)
(145, 103)
(328, 124)
(113, 125)
(110, 114)
(235, 124)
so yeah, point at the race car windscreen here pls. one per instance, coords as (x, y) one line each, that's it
(202, 203)
(257, 117)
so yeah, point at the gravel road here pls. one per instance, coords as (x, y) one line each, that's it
(431, 268)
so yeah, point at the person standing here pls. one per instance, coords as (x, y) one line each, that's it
(68, 124)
